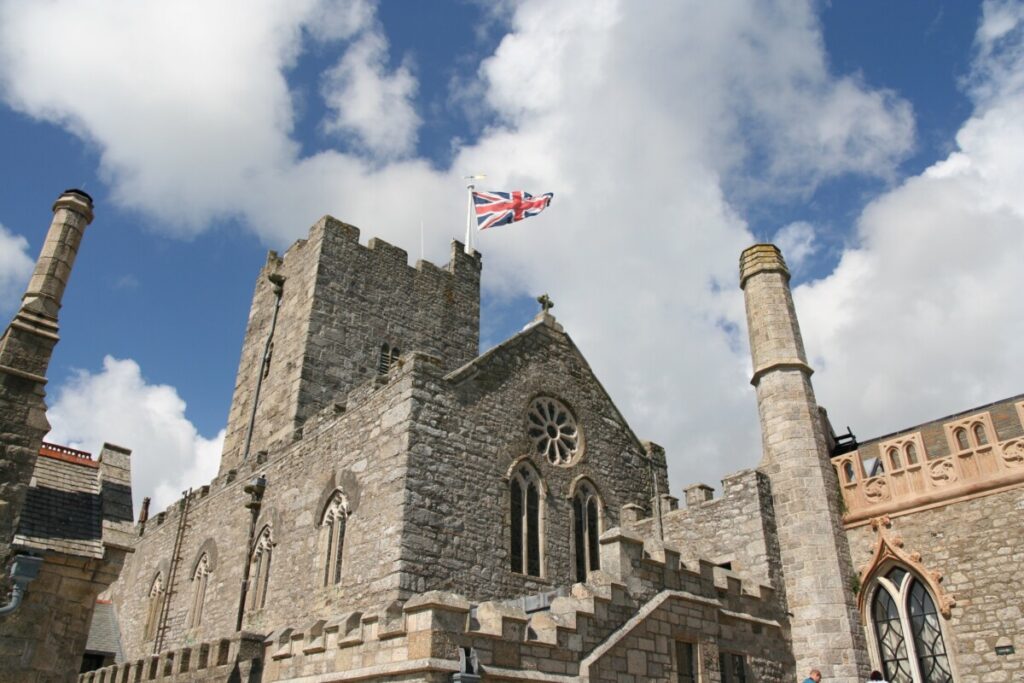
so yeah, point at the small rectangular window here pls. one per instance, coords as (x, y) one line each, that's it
(733, 667)
(686, 662)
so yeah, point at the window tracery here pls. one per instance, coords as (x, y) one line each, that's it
(156, 602)
(259, 574)
(586, 515)
(333, 523)
(526, 506)
(907, 631)
(552, 428)
(200, 578)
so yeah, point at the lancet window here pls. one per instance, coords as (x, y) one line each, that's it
(586, 519)
(332, 525)
(907, 631)
(200, 577)
(259, 569)
(526, 502)
(154, 606)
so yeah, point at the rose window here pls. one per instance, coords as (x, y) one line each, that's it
(553, 430)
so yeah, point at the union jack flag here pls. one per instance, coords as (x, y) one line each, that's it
(501, 208)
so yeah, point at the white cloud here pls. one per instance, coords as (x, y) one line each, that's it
(117, 405)
(924, 316)
(637, 117)
(370, 103)
(796, 241)
(15, 269)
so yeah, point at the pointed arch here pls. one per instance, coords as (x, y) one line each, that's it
(259, 571)
(900, 603)
(587, 523)
(200, 578)
(889, 551)
(157, 592)
(527, 496)
(333, 522)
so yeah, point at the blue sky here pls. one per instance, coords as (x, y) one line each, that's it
(877, 142)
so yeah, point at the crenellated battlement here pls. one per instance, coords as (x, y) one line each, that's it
(222, 659)
(574, 635)
(643, 588)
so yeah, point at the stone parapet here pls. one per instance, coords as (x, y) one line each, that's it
(957, 458)
(238, 658)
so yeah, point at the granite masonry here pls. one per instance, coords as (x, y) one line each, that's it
(392, 506)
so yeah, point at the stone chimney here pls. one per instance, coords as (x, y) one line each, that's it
(25, 350)
(815, 555)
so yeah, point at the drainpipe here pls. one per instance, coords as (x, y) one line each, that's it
(24, 569)
(277, 281)
(255, 490)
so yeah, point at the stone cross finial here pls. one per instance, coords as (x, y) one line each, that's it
(546, 304)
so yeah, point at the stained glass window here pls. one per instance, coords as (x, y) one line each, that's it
(902, 605)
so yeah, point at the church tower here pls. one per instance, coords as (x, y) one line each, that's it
(331, 314)
(815, 555)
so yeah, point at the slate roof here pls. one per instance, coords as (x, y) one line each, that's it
(62, 510)
(103, 633)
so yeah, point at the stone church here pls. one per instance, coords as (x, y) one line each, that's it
(393, 506)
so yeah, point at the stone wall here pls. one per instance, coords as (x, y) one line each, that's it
(737, 529)
(361, 451)
(468, 431)
(44, 639)
(620, 626)
(341, 301)
(976, 547)
(428, 493)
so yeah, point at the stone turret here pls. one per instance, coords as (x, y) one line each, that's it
(815, 555)
(25, 350)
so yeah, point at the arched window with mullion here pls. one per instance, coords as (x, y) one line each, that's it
(334, 522)
(586, 530)
(154, 605)
(200, 578)
(907, 631)
(259, 575)
(525, 523)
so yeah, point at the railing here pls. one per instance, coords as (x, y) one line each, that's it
(63, 452)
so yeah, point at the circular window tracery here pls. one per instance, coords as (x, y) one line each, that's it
(553, 429)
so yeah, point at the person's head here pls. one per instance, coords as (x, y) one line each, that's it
(815, 676)
(876, 676)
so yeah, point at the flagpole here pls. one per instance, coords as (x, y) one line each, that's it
(469, 210)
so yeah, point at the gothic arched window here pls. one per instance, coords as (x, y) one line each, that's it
(526, 520)
(907, 631)
(154, 605)
(259, 572)
(586, 525)
(332, 526)
(200, 578)
(911, 450)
